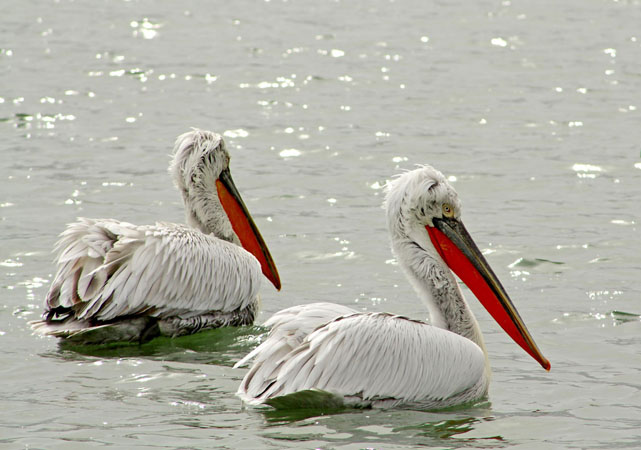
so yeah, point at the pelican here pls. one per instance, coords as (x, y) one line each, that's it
(324, 354)
(117, 281)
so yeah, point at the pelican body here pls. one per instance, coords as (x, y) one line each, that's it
(324, 354)
(116, 281)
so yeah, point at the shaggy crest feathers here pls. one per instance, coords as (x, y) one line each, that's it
(190, 148)
(199, 158)
(417, 196)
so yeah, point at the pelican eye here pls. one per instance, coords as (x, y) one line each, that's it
(448, 211)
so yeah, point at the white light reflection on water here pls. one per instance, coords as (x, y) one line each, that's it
(586, 170)
(289, 153)
(145, 28)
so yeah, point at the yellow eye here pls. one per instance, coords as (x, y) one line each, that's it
(448, 211)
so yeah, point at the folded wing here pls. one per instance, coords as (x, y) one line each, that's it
(109, 269)
(372, 358)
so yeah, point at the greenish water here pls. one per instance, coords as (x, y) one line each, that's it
(531, 107)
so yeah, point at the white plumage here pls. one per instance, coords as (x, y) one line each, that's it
(367, 359)
(118, 281)
(325, 354)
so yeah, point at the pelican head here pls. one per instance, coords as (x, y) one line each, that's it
(200, 170)
(199, 158)
(414, 199)
(423, 209)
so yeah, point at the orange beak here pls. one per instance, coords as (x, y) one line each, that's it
(460, 253)
(244, 226)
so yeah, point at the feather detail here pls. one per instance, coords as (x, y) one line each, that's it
(364, 357)
(109, 269)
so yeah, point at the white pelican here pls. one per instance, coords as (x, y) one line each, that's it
(325, 354)
(122, 282)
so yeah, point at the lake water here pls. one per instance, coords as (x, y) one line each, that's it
(533, 108)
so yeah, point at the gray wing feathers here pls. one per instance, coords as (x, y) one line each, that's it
(289, 327)
(372, 357)
(298, 321)
(108, 269)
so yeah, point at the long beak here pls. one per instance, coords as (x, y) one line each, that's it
(244, 226)
(460, 253)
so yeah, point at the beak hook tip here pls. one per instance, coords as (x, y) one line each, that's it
(546, 364)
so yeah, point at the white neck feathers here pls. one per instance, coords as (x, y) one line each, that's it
(199, 158)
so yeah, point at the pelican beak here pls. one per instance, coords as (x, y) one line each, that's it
(244, 226)
(460, 253)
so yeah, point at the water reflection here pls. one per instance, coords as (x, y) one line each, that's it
(444, 429)
(38, 120)
(222, 346)
(621, 317)
(607, 318)
(385, 427)
(145, 28)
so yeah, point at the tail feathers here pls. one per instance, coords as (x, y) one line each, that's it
(81, 332)
(58, 328)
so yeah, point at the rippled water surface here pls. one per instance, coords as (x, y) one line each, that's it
(531, 108)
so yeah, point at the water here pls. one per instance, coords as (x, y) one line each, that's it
(532, 107)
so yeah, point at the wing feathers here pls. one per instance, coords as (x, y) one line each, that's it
(109, 269)
(288, 329)
(366, 357)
